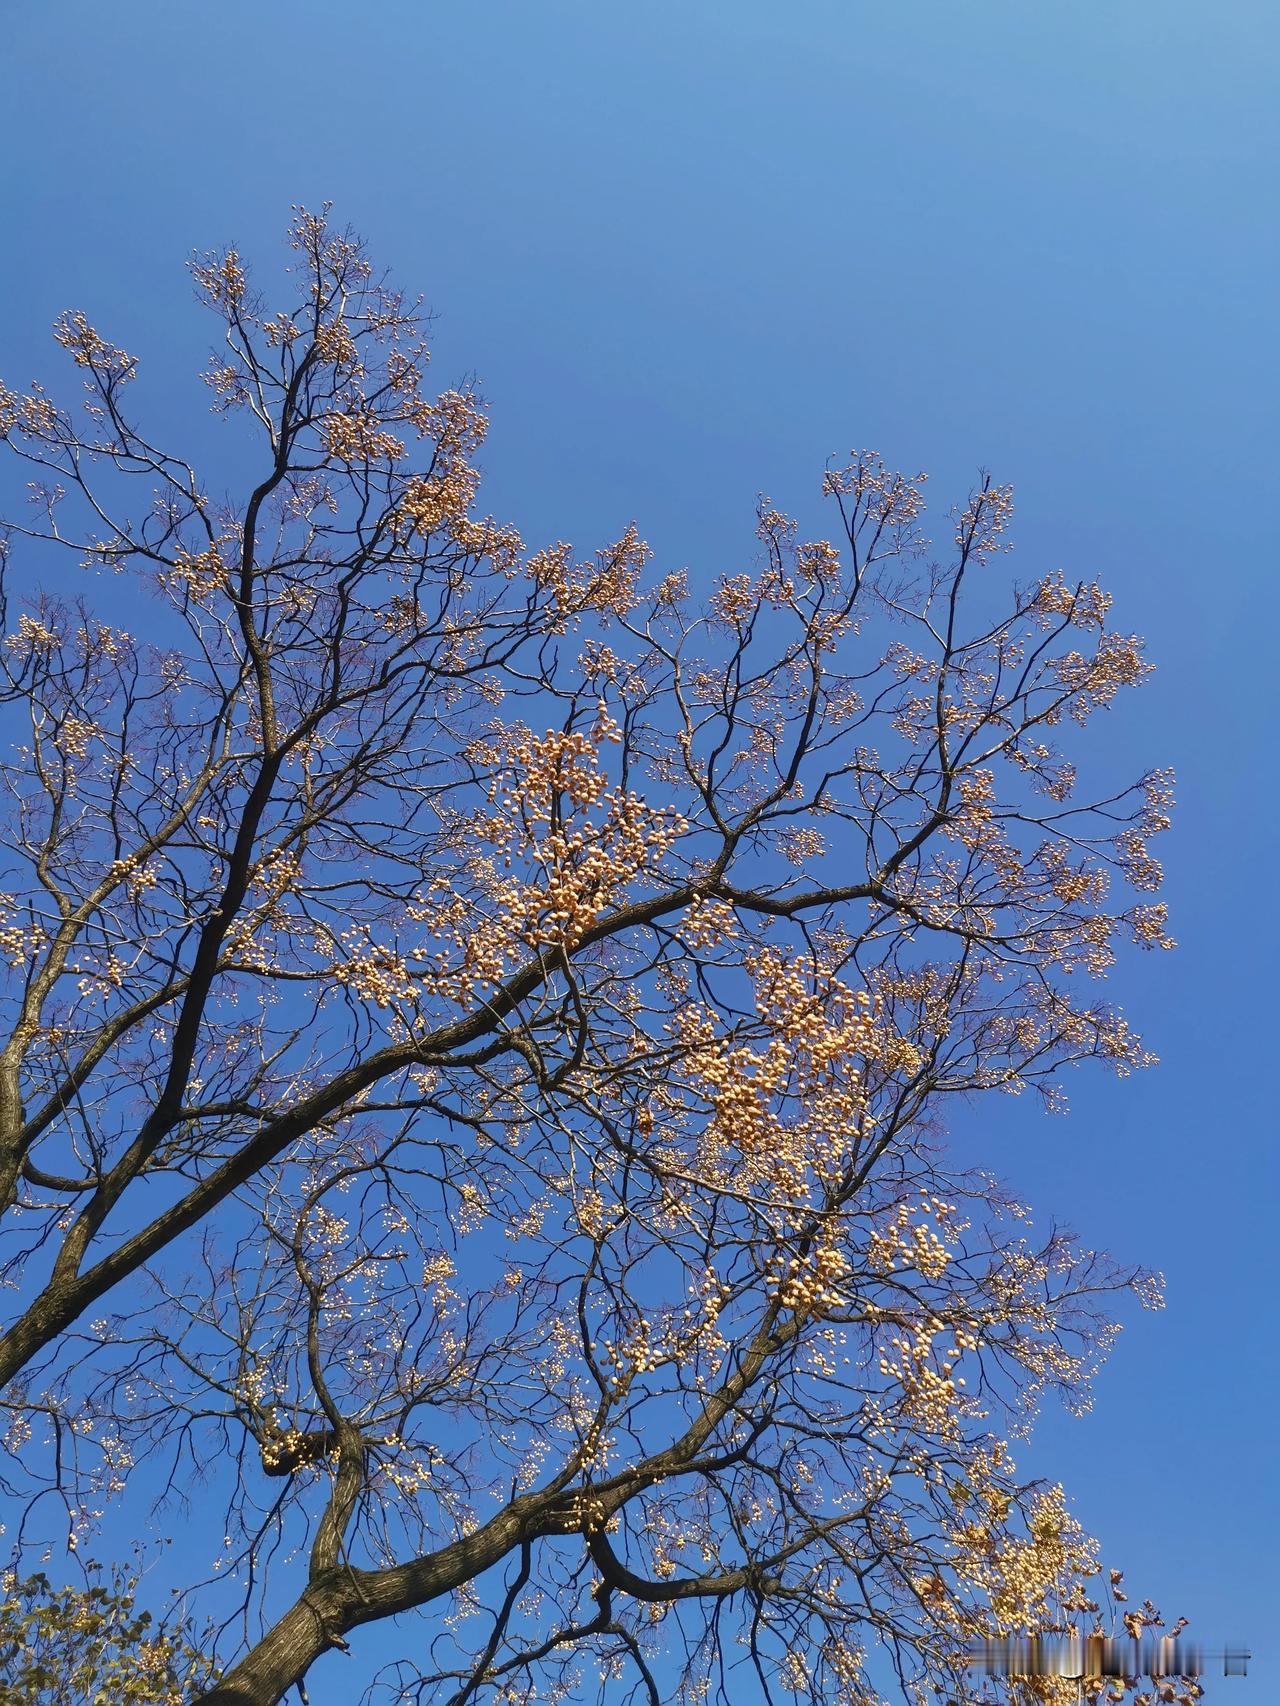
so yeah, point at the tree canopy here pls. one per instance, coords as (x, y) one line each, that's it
(481, 1029)
(92, 1644)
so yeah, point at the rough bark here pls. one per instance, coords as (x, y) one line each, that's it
(341, 1599)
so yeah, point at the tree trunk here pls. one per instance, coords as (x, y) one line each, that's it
(287, 1651)
(339, 1600)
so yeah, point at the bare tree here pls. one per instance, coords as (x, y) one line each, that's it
(480, 1030)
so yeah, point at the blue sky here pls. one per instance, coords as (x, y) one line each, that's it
(692, 249)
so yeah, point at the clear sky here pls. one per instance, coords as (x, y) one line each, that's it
(691, 248)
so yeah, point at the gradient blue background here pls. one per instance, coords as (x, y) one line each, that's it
(691, 249)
